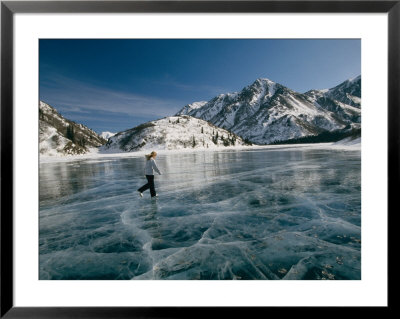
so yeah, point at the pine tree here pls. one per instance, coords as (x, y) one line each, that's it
(82, 142)
(70, 133)
(226, 142)
(194, 142)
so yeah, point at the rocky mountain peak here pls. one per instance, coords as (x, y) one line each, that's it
(266, 111)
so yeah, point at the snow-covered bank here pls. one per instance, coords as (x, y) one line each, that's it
(95, 153)
(350, 142)
(346, 144)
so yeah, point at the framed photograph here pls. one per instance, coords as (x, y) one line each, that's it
(164, 157)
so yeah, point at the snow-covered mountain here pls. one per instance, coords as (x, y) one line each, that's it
(170, 133)
(348, 92)
(60, 136)
(266, 112)
(107, 135)
(190, 108)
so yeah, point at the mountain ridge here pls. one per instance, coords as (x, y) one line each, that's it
(174, 132)
(265, 111)
(61, 136)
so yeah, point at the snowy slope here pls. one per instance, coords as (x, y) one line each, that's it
(348, 92)
(349, 141)
(265, 111)
(170, 133)
(59, 136)
(191, 107)
(52, 143)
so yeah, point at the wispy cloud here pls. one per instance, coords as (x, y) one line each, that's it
(208, 90)
(81, 97)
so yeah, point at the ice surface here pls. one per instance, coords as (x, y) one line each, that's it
(278, 213)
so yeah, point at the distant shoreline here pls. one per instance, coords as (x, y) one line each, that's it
(95, 154)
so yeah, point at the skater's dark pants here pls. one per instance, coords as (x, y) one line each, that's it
(150, 184)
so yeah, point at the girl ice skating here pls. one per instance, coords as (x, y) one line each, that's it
(149, 169)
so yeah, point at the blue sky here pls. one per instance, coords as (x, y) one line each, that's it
(113, 85)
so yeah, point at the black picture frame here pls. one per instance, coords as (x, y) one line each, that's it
(9, 8)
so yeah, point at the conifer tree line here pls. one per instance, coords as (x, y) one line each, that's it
(75, 138)
(324, 137)
(70, 133)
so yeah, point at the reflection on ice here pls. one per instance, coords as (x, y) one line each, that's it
(265, 214)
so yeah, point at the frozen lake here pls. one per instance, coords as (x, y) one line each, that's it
(289, 213)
